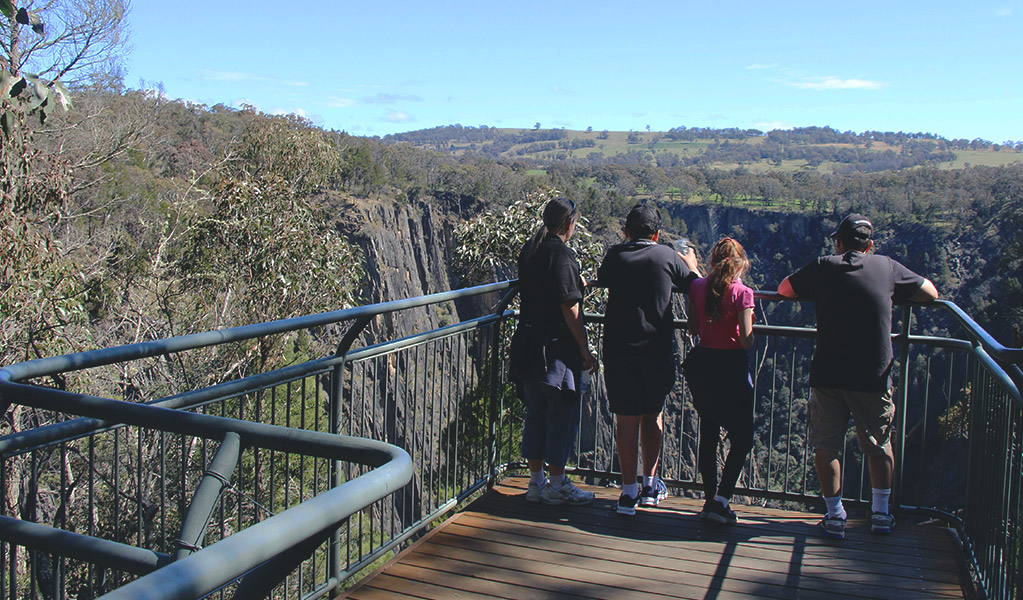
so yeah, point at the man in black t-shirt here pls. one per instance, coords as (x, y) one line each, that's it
(851, 372)
(639, 370)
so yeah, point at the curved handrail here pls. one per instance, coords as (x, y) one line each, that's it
(105, 356)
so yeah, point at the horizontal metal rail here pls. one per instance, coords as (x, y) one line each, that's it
(412, 427)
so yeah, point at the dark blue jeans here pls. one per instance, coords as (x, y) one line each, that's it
(552, 418)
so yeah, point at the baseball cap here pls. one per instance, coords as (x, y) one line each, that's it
(854, 226)
(643, 220)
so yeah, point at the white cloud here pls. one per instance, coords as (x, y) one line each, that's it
(337, 102)
(772, 125)
(1006, 11)
(397, 116)
(245, 103)
(835, 83)
(756, 66)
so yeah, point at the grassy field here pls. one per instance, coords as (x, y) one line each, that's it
(654, 143)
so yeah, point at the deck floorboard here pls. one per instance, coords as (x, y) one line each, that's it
(501, 546)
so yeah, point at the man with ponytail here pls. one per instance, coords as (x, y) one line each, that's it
(851, 372)
(549, 353)
(639, 370)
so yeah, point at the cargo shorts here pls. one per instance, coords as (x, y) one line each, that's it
(873, 414)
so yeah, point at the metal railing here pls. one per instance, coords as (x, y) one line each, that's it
(171, 485)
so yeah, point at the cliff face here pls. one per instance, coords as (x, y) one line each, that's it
(407, 249)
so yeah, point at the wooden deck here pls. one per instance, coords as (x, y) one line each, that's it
(504, 547)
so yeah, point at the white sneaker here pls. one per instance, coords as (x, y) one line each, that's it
(566, 494)
(534, 492)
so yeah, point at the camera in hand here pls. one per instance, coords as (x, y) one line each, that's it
(681, 245)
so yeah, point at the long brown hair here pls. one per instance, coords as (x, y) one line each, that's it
(728, 261)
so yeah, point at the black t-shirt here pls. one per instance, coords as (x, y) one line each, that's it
(854, 293)
(640, 277)
(549, 279)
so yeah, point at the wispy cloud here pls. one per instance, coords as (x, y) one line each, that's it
(384, 98)
(397, 116)
(834, 83)
(756, 66)
(210, 75)
(1005, 11)
(772, 125)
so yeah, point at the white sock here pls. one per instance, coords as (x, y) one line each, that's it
(880, 502)
(538, 477)
(835, 508)
(722, 500)
(648, 482)
(557, 480)
(631, 490)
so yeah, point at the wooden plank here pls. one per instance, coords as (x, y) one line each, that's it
(699, 560)
(504, 547)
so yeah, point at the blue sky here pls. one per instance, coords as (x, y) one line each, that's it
(374, 68)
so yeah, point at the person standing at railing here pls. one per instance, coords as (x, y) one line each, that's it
(851, 372)
(549, 352)
(717, 372)
(639, 370)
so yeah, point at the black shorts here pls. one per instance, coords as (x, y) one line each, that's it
(638, 383)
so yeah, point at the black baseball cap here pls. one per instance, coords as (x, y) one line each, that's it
(643, 220)
(855, 226)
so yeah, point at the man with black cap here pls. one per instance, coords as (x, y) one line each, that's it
(851, 372)
(639, 370)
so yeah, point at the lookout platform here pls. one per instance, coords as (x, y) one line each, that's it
(501, 546)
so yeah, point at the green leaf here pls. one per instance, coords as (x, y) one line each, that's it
(7, 8)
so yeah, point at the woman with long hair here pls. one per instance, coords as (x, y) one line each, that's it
(717, 371)
(549, 353)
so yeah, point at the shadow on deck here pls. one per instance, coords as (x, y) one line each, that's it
(501, 546)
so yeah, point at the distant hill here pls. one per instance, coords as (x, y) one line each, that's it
(820, 149)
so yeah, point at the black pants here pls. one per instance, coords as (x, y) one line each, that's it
(722, 390)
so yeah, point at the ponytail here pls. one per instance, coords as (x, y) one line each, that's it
(728, 262)
(558, 213)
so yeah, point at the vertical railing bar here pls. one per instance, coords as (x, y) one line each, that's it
(924, 418)
(788, 421)
(91, 503)
(492, 405)
(7, 551)
(138, 487)
(445, 412)
(902, 405)
(771, 417)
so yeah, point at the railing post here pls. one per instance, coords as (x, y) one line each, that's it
(899, 449)
(495, 376)
(334, 411)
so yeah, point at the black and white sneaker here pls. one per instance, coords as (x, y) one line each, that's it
(626, 504)
(881, 523)
(652, 495)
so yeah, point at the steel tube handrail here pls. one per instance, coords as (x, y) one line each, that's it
(234, 556)
(105, 553)
(107, 356)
